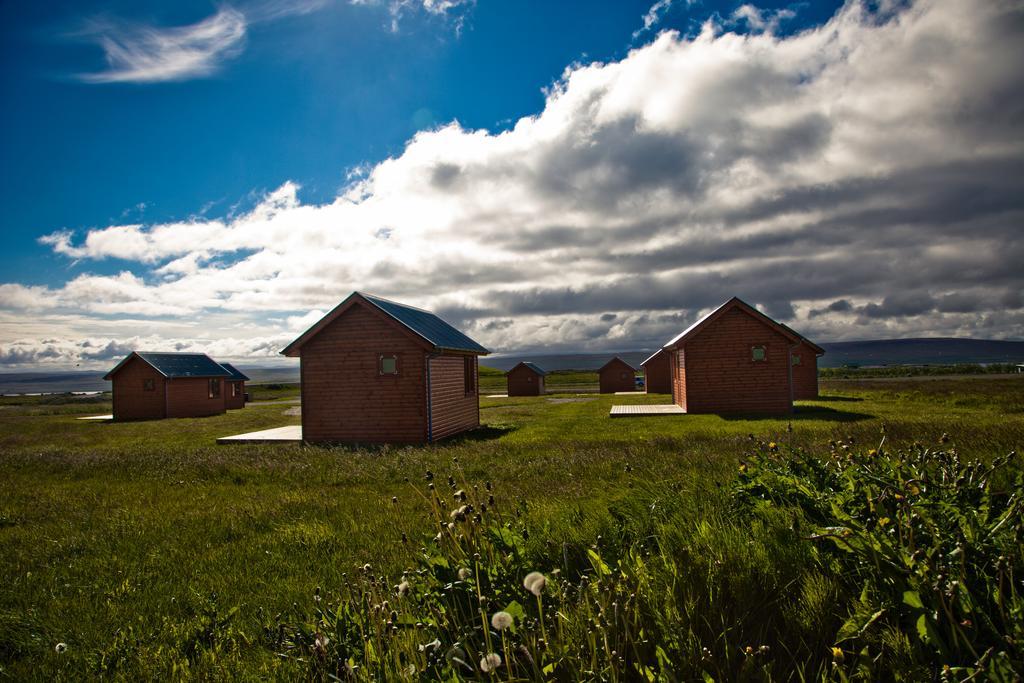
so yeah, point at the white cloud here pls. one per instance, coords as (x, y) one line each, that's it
(139, 53)
(454, 9)
(655, 14)
(757, 19)
(817, 175)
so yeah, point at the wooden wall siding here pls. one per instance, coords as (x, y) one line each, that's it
(190, 397)
(722, 378)
(130, 401)
(452, 410)
(617, 376)
(658, 374)
(805, 375)
(344, 397)
(234, 402)
(522, 381)
(678, 368)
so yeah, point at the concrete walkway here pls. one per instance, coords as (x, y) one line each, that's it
(496, 396)
(291, 433)
(642, 411)
(629, 393)
(97, 418)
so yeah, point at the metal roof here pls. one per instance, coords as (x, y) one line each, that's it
(236, 374)
(424, 324)
(427, 325)
(532, 366)
(651, 357)
(172, 365)
(735, 301)
(616, 358)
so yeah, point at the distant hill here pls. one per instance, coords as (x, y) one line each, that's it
(927, 351)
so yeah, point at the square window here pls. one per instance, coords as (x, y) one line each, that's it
(148, 385)
(758, 353)
(796, 359)
(389, 364)
(214, 388)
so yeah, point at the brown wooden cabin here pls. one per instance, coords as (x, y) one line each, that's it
(658, 373)
(152, 386)
(234, 394)
(617, 375)
(734, 360)
(377, 371)
(525, 379)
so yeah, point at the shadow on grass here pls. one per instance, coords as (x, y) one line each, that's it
(819, 413)
(481, 433)
(848, 399)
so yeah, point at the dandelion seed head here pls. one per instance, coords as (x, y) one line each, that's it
(490, 662)
(464, 574)
(402, 588)
(501, 621)
(60, 648)
(535, 582)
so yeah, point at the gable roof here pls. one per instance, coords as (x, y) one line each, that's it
(532, 366)
(616, 358)
(818, 351)
(426, 325)
(236, 374)
(732, 303)
(174, 365)
(652, 356)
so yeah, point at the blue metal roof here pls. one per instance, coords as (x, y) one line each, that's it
(427, 325)
(532, 366)
(236, 374)
(184, 364)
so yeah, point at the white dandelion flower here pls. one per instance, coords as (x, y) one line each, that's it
(535, 582)
(61, 648)
(501, 620)
(402, 588)
(464, 574)
(490, 662)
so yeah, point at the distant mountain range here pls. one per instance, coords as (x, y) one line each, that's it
(929, 351)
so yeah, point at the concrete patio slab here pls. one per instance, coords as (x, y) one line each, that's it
(643, 411)
(97, 418)
(629, 393)
(496, 396)
(291, 433)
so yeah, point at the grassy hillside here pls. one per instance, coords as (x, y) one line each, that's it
(150, 552)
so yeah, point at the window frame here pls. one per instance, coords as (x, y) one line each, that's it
(797, 360)
(763, 348)
(213, 387)
(148, 384)
(380, 364)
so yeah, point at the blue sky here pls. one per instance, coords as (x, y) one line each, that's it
(177, 127)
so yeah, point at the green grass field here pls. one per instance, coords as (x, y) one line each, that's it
(151, 552)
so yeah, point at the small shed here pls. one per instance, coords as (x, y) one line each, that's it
(377, 371)
(155, 385)
(525, 379)
(234, 394)
(657, 373)
(734, 360)
(617, 375)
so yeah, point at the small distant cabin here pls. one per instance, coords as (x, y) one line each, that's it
(153, 386)
(525, 379)
(617, 375)
(738, 360)
(234, 394)
(658, 373)
(377, 371)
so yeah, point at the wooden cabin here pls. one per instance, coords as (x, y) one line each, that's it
(234, 393)
(377, 371)
(152, 386)
(525, 379)
(735, 360)
(617, 375)
(658, 373)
